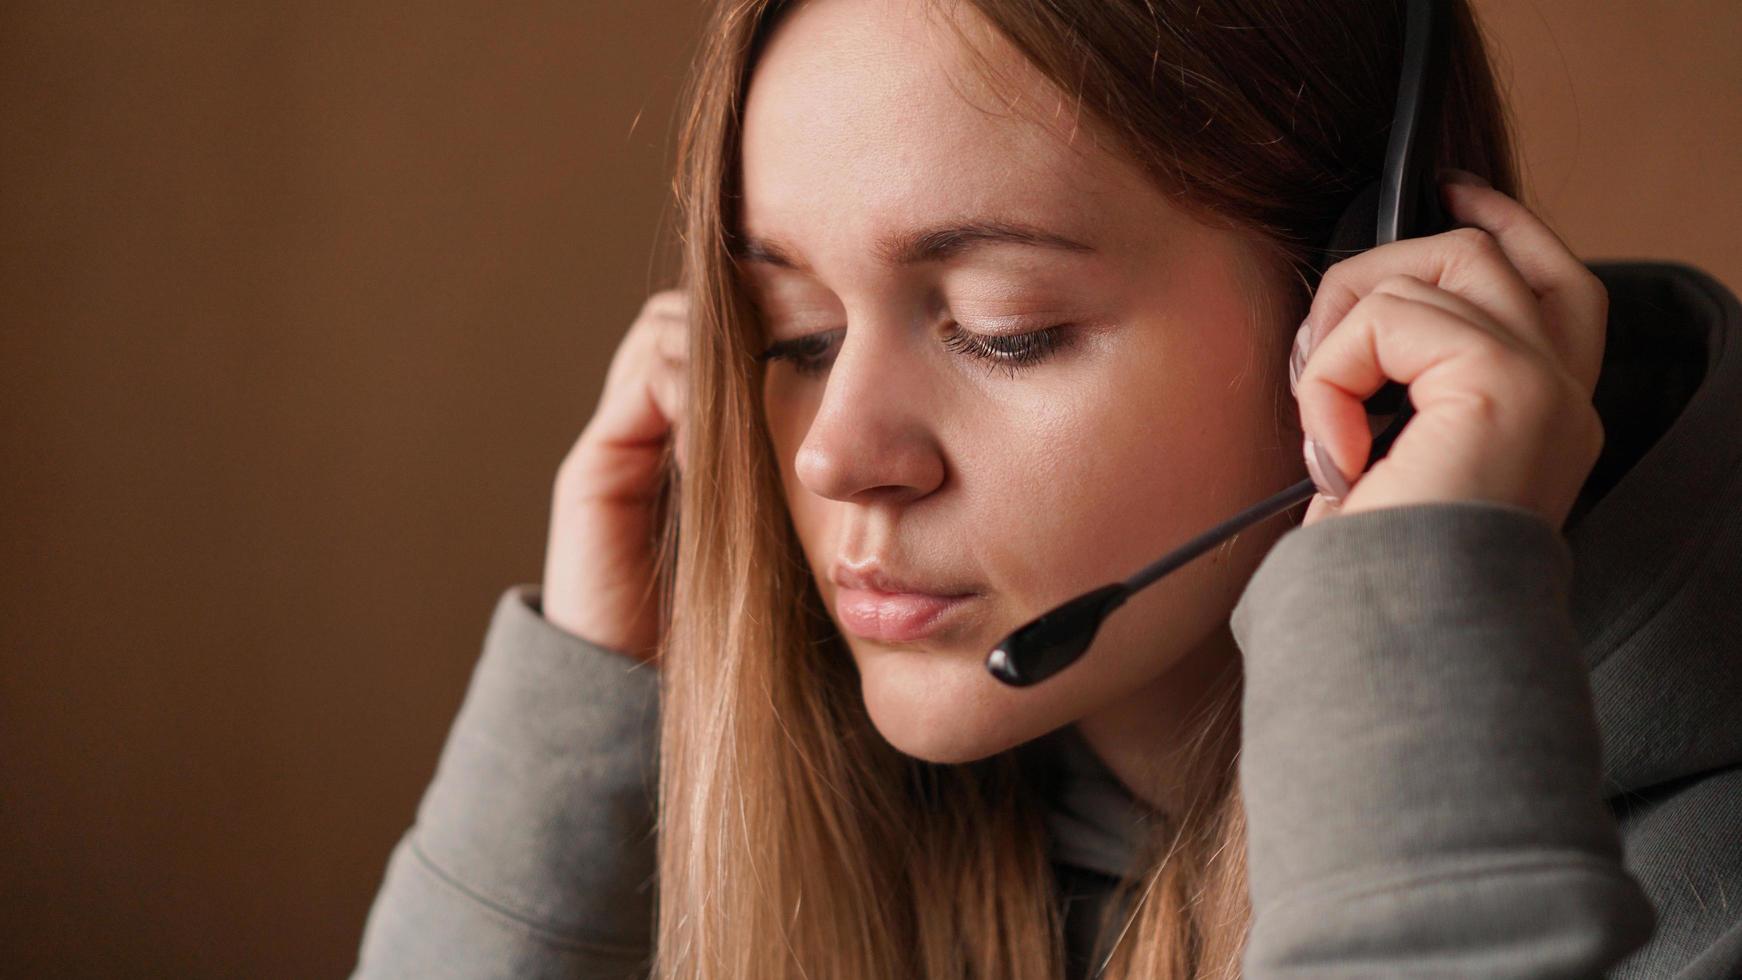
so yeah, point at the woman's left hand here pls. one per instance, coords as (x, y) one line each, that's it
(1496, 328)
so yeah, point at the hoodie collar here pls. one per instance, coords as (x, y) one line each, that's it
(1092, 820)
(1657, 535)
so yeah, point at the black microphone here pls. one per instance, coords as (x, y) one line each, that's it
(1403, 203)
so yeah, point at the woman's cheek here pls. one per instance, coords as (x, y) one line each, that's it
(1139, 463)
(1051, 492)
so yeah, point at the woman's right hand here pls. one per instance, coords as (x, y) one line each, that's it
(600, 555)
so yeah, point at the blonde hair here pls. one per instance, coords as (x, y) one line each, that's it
(793, 840)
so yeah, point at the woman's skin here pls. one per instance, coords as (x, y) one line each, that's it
(867, 128)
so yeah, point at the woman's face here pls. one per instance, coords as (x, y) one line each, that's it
(1020, 374)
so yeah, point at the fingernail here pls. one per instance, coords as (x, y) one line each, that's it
(1330, 480)
(1298, 356)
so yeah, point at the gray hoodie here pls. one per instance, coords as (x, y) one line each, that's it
(1472, 745)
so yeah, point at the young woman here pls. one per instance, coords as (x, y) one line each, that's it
(990, 303)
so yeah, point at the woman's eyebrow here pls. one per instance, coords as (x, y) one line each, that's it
(922, 245)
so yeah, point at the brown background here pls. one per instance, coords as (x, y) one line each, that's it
(302, 306)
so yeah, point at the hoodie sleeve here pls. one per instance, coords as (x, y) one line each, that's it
(1420, 761)
(533, 850)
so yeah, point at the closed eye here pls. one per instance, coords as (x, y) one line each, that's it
(811, 354)
(1009, 352)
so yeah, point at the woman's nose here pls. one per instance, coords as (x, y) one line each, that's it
(871, 436)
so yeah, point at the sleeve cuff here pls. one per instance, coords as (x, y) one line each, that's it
(543, 802)
(1414, 692)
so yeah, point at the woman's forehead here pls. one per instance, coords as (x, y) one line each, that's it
(872, 115)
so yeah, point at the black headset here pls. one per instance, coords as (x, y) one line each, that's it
(1403, 203)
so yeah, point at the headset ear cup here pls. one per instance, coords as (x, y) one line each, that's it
(1356, 230)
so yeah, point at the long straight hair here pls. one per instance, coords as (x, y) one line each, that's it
(793, 840)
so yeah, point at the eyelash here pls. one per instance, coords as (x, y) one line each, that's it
(1009, 353)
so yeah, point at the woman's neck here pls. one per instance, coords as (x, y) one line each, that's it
(1148, 738)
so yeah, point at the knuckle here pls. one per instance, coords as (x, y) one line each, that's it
(667, 303)
(1482, 407)
(1475, 240)
(1398, 284)
(1521, 402)
(1525, 394)
(1382, 308)
(1334, 279)
(1515, 382)
(673, 346)
(1490, 356)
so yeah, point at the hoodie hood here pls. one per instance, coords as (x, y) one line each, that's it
(1656, 536)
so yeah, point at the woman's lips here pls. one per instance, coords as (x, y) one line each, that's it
(894, 617)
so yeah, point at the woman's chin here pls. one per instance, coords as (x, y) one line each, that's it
(942, 708)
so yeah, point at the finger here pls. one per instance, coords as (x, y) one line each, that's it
(673, 351)
(667, 303)
(1573, 300)
(640, 396)
(1319, 508)
(1410, 287)
(664, 391)
(666, 384)
(1429, 347)
(1465, 261)
(654, 339)
(672, 341)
